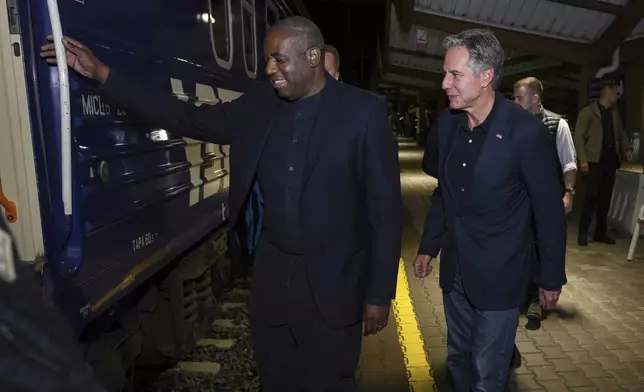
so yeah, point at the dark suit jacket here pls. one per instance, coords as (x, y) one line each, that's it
(351, 200)
(515, 188)
(430, 157)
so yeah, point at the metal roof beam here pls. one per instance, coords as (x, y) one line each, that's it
(546, 75)
(593, 5)
(413, 73)
(569, 52)
(431, 56)
(543, 74)
(415, 53)
(617, 32)
(408, 86)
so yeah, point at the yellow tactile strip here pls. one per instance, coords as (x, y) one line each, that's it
(410, 337)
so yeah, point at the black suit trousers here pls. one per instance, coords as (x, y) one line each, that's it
(600, 181)
(297, 351)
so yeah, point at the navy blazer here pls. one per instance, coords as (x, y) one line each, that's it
(351, 212)
(515, 189)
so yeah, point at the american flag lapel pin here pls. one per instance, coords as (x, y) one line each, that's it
(499, 136)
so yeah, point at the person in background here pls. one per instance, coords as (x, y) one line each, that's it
(528, 93)
(497, 174)
(319, 156)
(332, 61)
(600, 137)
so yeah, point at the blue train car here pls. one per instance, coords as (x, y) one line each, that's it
(126, 219)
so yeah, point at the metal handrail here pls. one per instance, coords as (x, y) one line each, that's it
(65, 107)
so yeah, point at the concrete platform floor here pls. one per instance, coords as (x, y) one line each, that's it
(594, 341)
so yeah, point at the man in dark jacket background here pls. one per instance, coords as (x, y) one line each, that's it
(332, 61)
(600, 139)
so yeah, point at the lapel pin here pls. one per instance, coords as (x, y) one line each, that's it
(499, 136)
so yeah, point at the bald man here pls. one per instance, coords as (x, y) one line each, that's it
(326, 262)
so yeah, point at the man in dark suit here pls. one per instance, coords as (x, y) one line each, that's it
(332, 61)
(321, 157)
(497, 173)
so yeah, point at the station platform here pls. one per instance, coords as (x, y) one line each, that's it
(593, 341)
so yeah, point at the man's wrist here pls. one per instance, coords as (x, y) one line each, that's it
(376, 301)
(102, 73)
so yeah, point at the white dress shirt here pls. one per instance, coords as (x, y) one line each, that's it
(566, 147)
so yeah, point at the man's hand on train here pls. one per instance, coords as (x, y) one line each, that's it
(79, 58)
(422, 266)
(375, 318)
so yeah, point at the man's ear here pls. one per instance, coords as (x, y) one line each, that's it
(315, 56)
(487, 77)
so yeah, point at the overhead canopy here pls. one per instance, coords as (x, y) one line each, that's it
(549, 38)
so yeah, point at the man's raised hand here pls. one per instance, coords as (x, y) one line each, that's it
(79, 57)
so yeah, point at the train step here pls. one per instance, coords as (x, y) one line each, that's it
(225, 324)
(232, 305)
(222, 344)
(212, 368)
(240, 292)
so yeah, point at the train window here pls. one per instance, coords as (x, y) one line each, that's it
(272, 15)
(249, 37)
(221, 32)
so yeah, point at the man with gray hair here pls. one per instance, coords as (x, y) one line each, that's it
(497, 174)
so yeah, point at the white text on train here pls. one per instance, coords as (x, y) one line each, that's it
(93, 105)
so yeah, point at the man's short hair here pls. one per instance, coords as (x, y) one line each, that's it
(303, 29)
(531, 83)
(484, 48)
(334, 51)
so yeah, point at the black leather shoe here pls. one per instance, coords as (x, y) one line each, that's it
(582, 238)
(606, 239)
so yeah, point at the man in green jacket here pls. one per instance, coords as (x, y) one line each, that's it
(600, 137)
